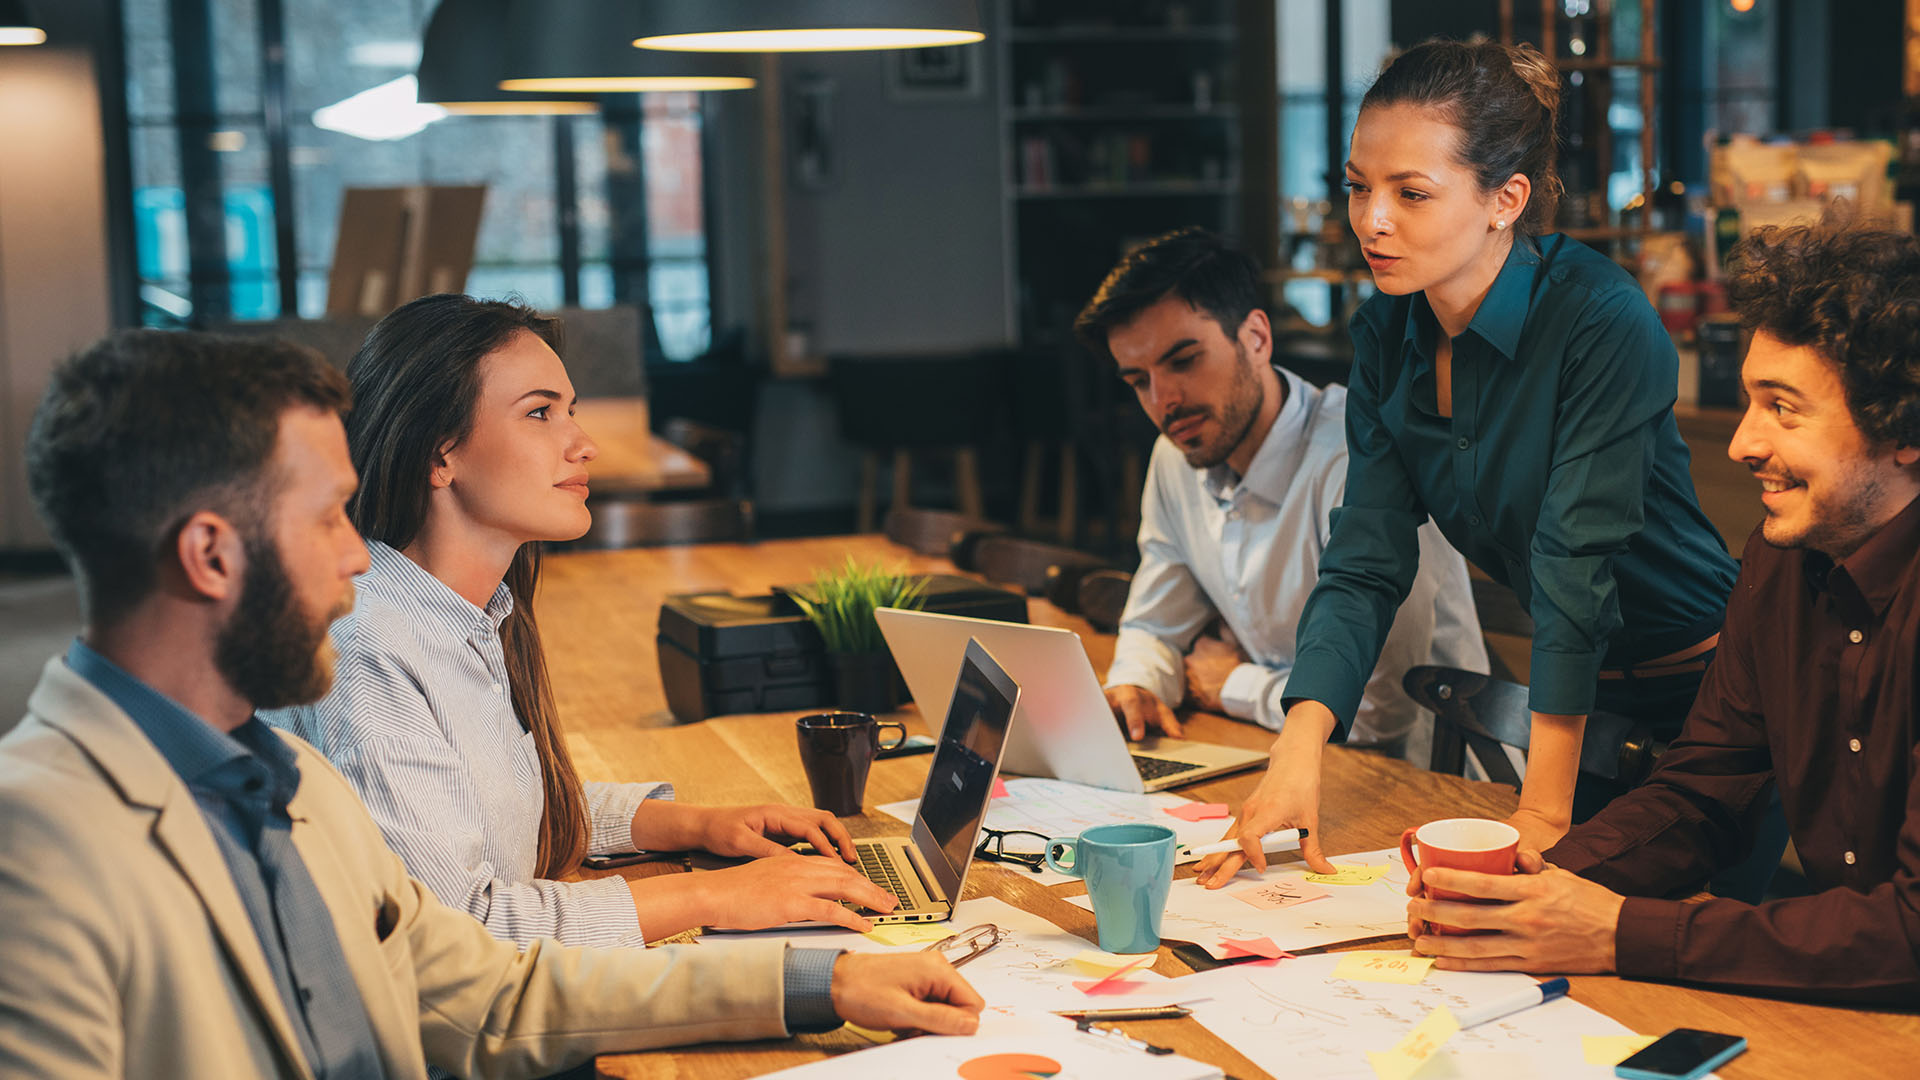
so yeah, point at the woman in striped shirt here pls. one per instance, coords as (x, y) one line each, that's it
(442, 715)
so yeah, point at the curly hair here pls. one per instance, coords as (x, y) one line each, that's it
(1852, 293)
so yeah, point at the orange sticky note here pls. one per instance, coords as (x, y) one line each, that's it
(1000, 789)
(1387, 967)
(1199, 811)
(1260, 946)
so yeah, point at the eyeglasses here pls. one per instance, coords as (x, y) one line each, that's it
(1021, 846)
(969, 943)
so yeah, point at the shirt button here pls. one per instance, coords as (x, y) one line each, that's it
(306, 996)
(1464, 443)
(1856, 637)
(1849, 857)
(496, 688)
(1853, 745)
(1474, 521)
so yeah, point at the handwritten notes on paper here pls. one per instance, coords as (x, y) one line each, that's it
(1199, 811)
(1611, 1050)
(1411, 1052)
(1387, 967)
(1272, 895)
(1350, 875)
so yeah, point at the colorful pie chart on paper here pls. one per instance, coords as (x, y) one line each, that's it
(1009, 1067)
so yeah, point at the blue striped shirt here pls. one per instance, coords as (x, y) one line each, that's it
(421, 722)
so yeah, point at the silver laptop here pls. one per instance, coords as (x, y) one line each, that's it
(1063, 726)
(926, 870)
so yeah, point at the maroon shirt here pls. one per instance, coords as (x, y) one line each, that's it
(1814, 689)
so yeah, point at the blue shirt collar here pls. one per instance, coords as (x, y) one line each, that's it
(204, 757)
(1501, 316)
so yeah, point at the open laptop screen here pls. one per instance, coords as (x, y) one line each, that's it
(960, 780)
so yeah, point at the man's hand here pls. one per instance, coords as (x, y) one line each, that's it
(1288, 798)
(1550, 920)
(904, 992)
(1140, 712)
(1208, 665)
(757, 895)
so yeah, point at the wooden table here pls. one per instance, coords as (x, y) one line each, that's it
(633, 460)
(597, 611)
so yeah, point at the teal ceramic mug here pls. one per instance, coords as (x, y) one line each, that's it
(1128, 870)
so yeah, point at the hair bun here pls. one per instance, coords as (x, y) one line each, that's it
(1538, 73)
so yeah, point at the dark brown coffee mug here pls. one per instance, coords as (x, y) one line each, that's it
(837, 749)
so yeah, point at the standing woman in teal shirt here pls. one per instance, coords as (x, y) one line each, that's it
(1518, 389)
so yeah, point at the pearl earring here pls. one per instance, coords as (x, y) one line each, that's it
(1499, 224)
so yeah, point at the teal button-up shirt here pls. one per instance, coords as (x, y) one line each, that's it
(1560, 474)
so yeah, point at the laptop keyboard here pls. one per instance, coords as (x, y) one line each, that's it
(877, 864)
(1153, 768)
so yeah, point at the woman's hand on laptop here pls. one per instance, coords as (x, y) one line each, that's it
(1140, 712)
(742, 831)
(758, 895)
(1288, 798)
(904, 992)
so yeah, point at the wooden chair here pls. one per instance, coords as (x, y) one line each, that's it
(900, 405)
(723, 451)
(1486, 715)
(1103, 596)
(628, 523)
(1038, 569)
(935, 532)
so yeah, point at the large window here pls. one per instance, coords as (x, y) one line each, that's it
(205, 199)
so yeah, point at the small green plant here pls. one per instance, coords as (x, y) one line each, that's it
(840, 604)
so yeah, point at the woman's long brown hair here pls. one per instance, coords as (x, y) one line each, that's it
(415, 381)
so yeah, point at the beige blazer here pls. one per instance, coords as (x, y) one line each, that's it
(125, 949)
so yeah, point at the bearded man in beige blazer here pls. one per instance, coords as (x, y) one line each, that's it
(187, 893)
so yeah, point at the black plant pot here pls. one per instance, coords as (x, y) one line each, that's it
(865, 682)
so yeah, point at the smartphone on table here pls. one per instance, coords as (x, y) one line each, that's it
(1681, 1054)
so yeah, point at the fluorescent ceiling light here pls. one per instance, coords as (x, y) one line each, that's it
(806, 25)
(384, 113)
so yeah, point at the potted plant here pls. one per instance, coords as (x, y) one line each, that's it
(840, 604)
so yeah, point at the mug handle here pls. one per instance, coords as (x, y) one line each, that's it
(1061, 845)
(881, 727)
(1406, 849)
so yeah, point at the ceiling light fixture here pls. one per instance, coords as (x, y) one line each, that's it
(807, 25)
(17, 26)
(463, 56)
(582, 46)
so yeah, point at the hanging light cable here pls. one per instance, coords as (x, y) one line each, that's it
(806, 25)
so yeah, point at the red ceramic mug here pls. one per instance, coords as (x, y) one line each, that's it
(1477, 844)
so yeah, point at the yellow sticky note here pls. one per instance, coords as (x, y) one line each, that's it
(1611, 1050)
(1095, 962)
(909, 933)
(1350, 875)
(1411, 1052)
(1387, 967)
(870, 1034)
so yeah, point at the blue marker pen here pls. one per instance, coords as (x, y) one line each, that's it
(1538, 994)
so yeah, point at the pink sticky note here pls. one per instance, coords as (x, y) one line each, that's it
(1260, 946)
(1099, 987)
(1272, 895)
(1199, 811)
(1000, 788)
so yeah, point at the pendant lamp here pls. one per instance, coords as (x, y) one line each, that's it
(17, 26)
(463, 57)
(585, 46)
(806, 25)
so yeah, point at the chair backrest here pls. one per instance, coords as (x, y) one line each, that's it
(722, 451)
(935, 532)
(627, 523)
(1103, 596)
(1040, 569)
(935, 400)
(1485, 714)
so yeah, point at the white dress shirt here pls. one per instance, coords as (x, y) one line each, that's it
(1246, 550)
(421, 722)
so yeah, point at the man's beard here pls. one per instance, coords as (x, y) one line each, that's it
(1836, 525)
(271, 652)
(1243, 404)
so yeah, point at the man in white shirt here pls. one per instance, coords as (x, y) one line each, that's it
(1251, 463)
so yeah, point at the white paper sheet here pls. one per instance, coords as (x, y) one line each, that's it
(1295, 1020)
(1076, 1056)
(1347, 913)
(1058, 808)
